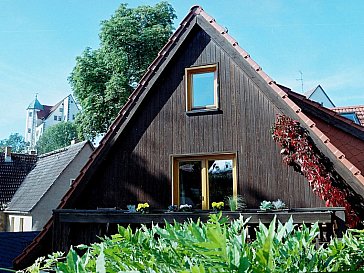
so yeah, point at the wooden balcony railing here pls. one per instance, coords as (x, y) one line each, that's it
(72, 227)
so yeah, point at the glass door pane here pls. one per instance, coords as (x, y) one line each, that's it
(190, 187)
(220, 179)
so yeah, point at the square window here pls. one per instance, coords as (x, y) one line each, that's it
(61, 110)
(201, 87)
(55, 117)
(30, 114)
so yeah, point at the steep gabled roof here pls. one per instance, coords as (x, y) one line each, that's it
(47, 170)
(197, 17)
(358, 110)
(13, 173)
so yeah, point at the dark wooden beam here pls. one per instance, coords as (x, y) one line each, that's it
(120, 217)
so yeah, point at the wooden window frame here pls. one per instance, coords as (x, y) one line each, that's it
(189, 72)
(204, 174)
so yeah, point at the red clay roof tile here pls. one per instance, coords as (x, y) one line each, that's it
(358, 110)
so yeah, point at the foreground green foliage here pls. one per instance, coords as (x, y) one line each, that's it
(216, 246)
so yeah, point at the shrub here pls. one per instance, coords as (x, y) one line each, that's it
(215, 246)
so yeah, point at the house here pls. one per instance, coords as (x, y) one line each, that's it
(202, 103)
(42, 189)
(354, 113)
(13, 169)
(319, 95)
(39, 117)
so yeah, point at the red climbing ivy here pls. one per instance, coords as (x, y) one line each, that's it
(299, 151)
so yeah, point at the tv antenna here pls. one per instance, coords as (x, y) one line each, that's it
(301, 80)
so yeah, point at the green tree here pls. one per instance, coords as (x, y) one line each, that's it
(16, 142)
(103, 79)
(56, 137)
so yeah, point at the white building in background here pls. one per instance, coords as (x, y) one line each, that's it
(40, 117)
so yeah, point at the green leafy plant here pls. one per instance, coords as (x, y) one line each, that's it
(266, 205)
(131, 208)
(215, 246)
(279, 204)
(236, 203)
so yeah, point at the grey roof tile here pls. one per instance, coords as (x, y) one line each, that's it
(48, 168)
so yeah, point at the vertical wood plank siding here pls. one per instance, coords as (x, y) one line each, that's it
(139, 167)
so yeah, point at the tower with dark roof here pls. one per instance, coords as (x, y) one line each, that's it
(40, 117)
(31, 121)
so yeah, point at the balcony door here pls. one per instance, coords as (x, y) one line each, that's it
(201, 180)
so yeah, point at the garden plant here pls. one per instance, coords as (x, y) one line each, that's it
(215, 246)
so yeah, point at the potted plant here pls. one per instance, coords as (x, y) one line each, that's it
(131, 209)
(279, 205)
(185, 208)
(266, 205)
(217, 206)
(143, 208)
(172, 208)
(236, 203)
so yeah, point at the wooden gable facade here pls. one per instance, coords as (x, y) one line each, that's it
(136, 160)
(139, 166)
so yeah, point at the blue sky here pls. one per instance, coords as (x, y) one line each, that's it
(40, 40)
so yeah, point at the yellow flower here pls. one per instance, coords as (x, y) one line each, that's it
(142, 206)
(218, 205)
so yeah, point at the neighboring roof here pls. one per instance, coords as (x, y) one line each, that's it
(48, 168)
(197, 16)
(43, 114)
(358, 110)
(340, 133)
(35, 104)
(12, 244)
(13, 173)
(46, 110)
(318, 92)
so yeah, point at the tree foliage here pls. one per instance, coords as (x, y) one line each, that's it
(103, 79)
(216, 246)
(56, 137)
(16, 142)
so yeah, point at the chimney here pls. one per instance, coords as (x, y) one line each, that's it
(7, 154)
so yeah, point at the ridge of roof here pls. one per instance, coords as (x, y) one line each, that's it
(60, 150)
(116, 127)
